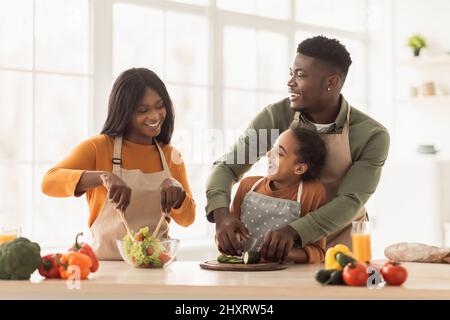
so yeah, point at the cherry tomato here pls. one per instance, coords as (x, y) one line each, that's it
(139, 237)
(149, 251)
(355, 274)
(164, 257)
(394, 273)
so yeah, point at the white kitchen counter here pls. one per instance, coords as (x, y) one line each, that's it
(185, 280)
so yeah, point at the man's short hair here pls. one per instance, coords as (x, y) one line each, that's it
(326, 49)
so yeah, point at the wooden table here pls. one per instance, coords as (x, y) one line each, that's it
(185, 280)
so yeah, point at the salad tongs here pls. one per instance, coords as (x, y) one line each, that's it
(164, 215)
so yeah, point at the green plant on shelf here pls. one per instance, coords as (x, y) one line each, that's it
(417, 42)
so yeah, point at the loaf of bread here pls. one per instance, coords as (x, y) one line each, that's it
(417, 252)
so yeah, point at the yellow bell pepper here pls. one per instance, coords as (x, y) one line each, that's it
(330, 256)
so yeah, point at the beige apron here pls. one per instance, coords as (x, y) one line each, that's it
(144, 208)
(338, 161)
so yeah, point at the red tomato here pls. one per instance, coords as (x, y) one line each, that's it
(355, 274)
(164, 257)
(139, 237)
(149, 251)
(394, 274)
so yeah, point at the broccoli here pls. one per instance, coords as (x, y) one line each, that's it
(19, 259)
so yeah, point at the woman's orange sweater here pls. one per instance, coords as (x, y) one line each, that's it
(95, 154)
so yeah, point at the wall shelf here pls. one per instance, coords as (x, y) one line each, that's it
(431, 100)
(427, 60)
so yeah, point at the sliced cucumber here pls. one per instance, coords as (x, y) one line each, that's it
(229, 259)
(251, 257)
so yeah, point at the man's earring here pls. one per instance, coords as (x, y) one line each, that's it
(328, 89)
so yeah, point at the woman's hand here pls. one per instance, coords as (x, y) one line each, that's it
(118, 191)
(172, 194)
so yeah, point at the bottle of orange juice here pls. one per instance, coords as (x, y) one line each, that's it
(8, 234)
(361, 232)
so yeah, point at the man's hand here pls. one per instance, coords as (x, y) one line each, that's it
(278, 243)
(229, 232)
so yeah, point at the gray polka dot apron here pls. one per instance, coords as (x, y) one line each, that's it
(261, 213)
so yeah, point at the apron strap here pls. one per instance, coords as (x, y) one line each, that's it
(256, 183)
(347, 123)
(117, 155)
(300, 191)
(163, 158)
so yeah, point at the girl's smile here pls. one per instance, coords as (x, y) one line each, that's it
(272, 166)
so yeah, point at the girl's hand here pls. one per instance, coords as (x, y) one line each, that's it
(118, 191)
(172, 194)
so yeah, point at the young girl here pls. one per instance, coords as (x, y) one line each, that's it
(130, 167)
(289, 191)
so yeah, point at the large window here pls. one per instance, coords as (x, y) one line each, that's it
(260, 80)
(45, 83)
(175, 45)
(222, 61)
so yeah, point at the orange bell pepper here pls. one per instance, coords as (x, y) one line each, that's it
(75, 259)
(86, 249)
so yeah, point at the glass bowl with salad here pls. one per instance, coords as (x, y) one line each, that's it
(142, 251)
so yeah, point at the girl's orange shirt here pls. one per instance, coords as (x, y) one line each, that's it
(95, 154)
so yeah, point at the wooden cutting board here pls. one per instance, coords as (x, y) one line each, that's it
(216, 266)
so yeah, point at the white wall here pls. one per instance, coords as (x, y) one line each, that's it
(409, 204)
(430, 18)
(380, 26)
(390, 23)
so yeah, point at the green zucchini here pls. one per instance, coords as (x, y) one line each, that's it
(336, 278)
(323, 276)
(329, 277)
(251, 257)
(344, 259)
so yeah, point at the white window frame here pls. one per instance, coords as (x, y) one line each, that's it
(101, 64)
(102, 44)
(28, 227)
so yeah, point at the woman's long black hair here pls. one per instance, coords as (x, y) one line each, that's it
(127, 92)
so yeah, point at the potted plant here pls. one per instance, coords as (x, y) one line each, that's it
(417, 42)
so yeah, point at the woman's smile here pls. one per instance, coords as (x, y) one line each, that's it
(152, 125)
